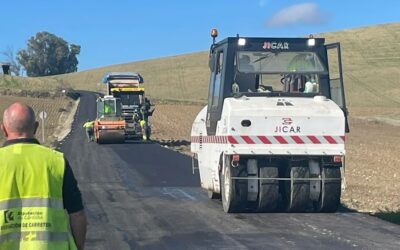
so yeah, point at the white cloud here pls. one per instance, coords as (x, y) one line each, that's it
(304, 13)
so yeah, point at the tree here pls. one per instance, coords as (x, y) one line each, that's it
(15, 67)
(46, 54)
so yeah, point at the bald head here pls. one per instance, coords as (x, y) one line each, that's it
(19, 121)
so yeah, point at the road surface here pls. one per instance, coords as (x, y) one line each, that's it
(144, 196)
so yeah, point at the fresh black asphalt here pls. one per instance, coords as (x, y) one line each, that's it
(144, 196)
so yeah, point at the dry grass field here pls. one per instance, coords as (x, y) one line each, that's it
(177, 78)
(37, 84)
(370, 60)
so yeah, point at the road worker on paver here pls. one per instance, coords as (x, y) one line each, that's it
(88, 125)
(37, 185)
(144, 122)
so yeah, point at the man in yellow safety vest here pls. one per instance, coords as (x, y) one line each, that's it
(107, 108)
(88, 125)
(37, 185)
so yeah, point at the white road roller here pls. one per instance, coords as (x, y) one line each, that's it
(272, 135)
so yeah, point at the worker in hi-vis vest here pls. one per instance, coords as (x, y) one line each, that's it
(88, 125)
(37, 185)
(107, 108)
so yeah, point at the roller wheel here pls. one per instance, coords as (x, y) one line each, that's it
(297, 192)
(111, 137)
(329, 200)
(233, 192)
(268, 196)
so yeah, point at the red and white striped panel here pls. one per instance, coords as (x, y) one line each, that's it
(289, 139)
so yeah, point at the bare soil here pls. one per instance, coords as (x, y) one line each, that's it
(372, 162)
(171, 125)
(372, 166)
(60, 111)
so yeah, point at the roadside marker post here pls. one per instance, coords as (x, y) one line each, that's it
(43, 116)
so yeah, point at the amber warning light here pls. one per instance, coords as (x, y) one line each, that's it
(214, 33)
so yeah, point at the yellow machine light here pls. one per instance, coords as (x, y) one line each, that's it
(214, 33)
(311, 42)
(242, 42)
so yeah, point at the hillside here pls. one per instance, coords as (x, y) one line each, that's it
(371, 60)
(182, 78)
(38, 84)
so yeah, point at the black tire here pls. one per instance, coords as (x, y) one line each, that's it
(268, 196)
(213, 196)
(297, 192)
(147, 130)
(331, 190)
(233, 192)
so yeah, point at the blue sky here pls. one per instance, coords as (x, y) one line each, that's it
(120, 31)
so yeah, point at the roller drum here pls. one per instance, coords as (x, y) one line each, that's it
(111, 137)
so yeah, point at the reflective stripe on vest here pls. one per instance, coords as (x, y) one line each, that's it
(88, 125)
(32, 202)
(35, 235)
(32, 214)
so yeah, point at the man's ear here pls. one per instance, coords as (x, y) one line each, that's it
(36, 127)
(4, 130)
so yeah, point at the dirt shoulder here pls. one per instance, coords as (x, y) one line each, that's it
(372, 166)
(60, 111)
(65, 121)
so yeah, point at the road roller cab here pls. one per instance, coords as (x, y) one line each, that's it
(109, 126)
(272, 135)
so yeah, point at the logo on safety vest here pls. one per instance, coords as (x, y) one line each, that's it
(8, 216)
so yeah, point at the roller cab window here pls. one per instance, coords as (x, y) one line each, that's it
(278, 72)
(108, 108)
